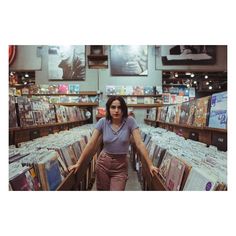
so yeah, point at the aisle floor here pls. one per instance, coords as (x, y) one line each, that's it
(132, 183)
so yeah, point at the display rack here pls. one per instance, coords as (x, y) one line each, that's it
(85, 175)
(210, 136)
(23, 134)
(83, 179)
(147, 181)
(142, 105)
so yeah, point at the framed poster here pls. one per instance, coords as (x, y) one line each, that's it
(66, 62)
(129, 60)
(188, 54)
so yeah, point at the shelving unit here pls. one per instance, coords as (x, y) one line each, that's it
(18, 135)
(23, 134)
(83, 179)
(150, 122)
(89, 93)
(148, 182)
(144, 105)
(80, 104)
(85, 176)
(147, 95)
(141, 105)
(210, 136)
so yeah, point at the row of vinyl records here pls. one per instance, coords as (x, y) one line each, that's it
(208, 111)
(184, 164)
(133, 90)
(47, 89)
(24, 112)
(43, 163)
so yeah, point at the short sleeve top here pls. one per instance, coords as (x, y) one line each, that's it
(116, 142)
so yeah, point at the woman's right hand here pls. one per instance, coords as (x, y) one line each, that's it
(73, 168)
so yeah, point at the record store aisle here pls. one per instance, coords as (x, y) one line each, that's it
(132, 183)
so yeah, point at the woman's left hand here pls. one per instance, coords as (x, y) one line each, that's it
(153, 170)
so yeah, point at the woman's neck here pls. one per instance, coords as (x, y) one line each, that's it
(116, 121)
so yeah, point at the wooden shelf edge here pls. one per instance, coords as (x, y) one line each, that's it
(144, 105)
(145, 119)
(82, 104)
(45, 125)
(147, 95)
(89, 93)
(194, 127)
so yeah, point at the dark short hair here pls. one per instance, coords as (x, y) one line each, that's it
(122, 104)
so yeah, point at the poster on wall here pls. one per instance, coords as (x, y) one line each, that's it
(129, 60)
(188, 54)
(66, 62)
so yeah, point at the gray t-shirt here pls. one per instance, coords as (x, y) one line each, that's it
(116, 142)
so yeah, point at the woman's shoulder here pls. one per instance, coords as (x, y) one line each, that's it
(130, 120)
(100, 123)
(102, 120)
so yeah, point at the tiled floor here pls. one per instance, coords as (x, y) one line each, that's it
(132, 183)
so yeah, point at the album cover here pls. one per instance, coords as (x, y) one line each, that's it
(218, 111)
(175, 174)
(201, 112)
(165, 165)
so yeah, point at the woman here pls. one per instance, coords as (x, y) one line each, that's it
(115, 129)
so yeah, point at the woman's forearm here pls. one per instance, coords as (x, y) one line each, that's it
(142, 149)
(88, 150)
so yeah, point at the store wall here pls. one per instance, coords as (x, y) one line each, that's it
(27, 58)
(154, 77)
(35, 57)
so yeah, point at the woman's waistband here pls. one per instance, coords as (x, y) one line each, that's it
(112, 155)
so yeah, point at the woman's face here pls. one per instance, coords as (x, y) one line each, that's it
(115, 110)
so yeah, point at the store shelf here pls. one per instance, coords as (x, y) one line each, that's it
(144, 95)
(82, 93)
(148, 182)
(150, 122)
(144, 105)
(24, 134)
(81, 104)
(210, 136)
(83, 179)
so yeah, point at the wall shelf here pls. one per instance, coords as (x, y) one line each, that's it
(82, 93)
(147, 95)
(144, 105)
(81, 104)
